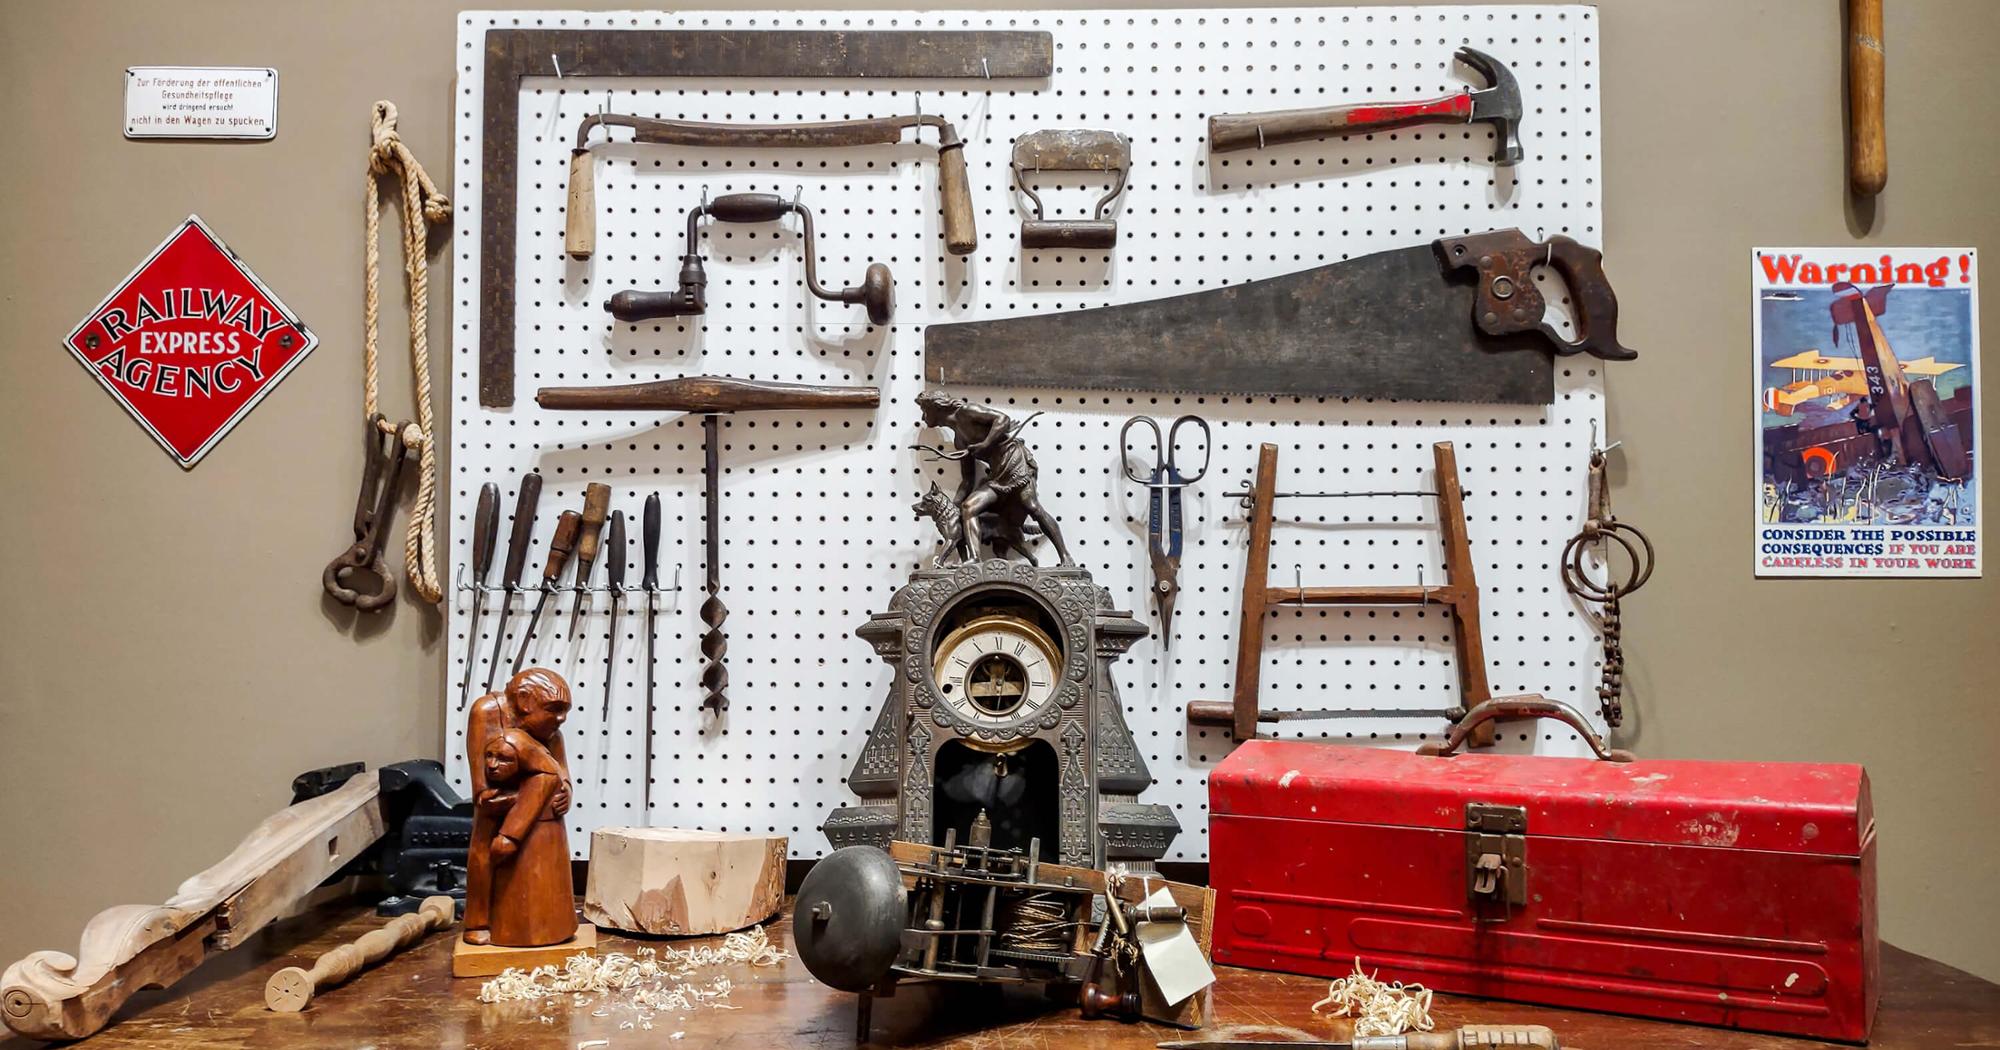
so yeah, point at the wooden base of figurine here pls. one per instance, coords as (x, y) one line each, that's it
(487, 960)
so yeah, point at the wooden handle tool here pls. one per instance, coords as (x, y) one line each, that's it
(596, 504)
(580, 216)
(1867, 135)
(292, 988)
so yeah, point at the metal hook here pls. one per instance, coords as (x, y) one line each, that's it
(1298, 578)
(984, 68)
(1260, 136)
(556, 63)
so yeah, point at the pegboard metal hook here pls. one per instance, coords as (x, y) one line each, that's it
(556, 62)
(984, 68)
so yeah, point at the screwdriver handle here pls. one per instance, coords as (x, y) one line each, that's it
(1471, 1037)
(614, 552)
(485, 530)
(524, 527)
(561, 545)
(596, 503)
(650, 536)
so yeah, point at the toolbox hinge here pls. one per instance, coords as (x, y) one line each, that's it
(1496, 859)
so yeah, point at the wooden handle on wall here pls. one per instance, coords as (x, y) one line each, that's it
(1867, 136)
(290, 989)
(961, 232)
(580, 217)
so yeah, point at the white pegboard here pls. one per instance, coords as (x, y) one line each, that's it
(816, 521)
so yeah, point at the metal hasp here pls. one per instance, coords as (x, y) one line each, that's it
(876, 290)
(1460, 319)
(1498, 104)
(961, 235)
(514, 55)
(1040, 151)
(1496, 858)
(710, 396)
(1458, 594)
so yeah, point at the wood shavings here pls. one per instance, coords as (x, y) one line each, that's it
(645, 982)
(1377, 1008)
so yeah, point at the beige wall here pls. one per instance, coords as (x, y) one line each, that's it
(170, 662)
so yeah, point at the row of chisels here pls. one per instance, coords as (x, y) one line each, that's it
(580, 538)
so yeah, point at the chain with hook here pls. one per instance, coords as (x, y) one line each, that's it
(1600, 530)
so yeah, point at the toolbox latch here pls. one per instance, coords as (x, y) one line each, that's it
(1496, 859)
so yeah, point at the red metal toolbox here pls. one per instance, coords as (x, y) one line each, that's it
(1726, 893)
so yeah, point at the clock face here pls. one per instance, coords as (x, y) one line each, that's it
(997, 670)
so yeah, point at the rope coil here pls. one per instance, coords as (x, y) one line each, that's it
(423, 207)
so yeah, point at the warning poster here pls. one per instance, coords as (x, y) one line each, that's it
(1867, 393)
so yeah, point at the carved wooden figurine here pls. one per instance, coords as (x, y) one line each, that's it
(518, 891)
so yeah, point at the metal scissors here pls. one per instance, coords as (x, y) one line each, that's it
(1163, 487)
(380, 476)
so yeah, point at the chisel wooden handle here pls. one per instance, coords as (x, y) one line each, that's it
(596, 504)
(485, 530)
(561, 546)
(290, 989)
(1867, 135)
(580, 217)
(521, 538)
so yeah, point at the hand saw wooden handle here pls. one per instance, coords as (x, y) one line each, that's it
(1508, 301)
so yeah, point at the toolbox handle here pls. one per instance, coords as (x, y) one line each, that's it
(1511, 707)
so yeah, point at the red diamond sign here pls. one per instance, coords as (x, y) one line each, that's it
(190, 342)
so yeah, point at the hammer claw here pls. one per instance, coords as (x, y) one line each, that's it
(1498, 104)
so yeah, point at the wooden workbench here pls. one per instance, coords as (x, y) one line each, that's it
(412, 1002)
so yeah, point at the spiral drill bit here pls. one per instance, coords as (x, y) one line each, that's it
(714, 645)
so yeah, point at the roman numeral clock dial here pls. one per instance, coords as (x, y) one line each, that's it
(997, 670)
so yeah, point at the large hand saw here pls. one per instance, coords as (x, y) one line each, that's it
(1460, 319)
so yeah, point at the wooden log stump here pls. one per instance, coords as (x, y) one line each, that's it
(683, 882)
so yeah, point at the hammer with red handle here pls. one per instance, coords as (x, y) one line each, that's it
(1498, 104)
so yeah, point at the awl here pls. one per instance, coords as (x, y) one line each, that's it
(650, 536)
(485, 532)
(614, 581)
(596, 503)
(560, 546)
(1470, 1037)
(518, 543)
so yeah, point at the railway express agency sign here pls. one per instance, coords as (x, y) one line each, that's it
(190, 342)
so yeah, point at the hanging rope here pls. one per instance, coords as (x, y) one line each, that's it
(423, 207)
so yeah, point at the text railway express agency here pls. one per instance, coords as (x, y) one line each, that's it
(216, 359)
